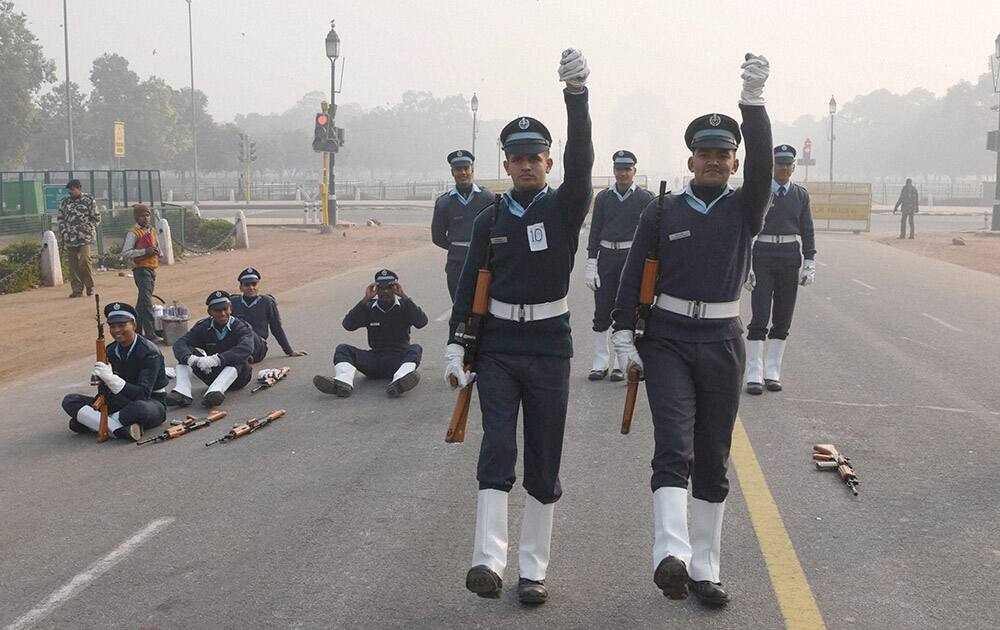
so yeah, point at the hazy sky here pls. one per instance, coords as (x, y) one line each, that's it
(263, 55)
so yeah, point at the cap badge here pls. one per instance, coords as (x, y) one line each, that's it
(784, 147)
(714, 120)
(523, 123)
(621, 154)
(218, 294)
(116, 306)
(459, 154)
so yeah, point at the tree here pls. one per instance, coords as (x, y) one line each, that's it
(115, 97)
(23, 71)
(47, 149)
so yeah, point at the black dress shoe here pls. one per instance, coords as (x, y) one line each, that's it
(329, 385)
(754, 389)
(482, 581)
(531, 591)
(76, 427)
(404, 384)
(772, 385)
(76, 294)
(671, 577)
(597, 375)
(177, 399)
(710, 593)
(617, 376)
(213, 398)
(90, 290)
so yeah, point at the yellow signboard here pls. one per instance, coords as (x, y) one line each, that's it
(119, 139)
(840, 201)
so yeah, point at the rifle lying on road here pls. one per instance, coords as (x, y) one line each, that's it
(647, 295)
(187, 425)
(469, 333)
(100, 403)
(248, 427)
(827, 457)
(271, 380)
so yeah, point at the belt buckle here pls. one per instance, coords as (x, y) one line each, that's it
(520, 313)
(696, 309)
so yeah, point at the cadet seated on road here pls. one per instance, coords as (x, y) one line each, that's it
(218, 348)
(134, 382)
(261, 312)
(388, 313)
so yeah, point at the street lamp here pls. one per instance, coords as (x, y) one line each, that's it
(194, 113)
(833, 110)
(475, 109)
(71, 157)
(995, 66)
(332, 52)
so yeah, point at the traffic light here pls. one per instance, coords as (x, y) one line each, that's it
(253, 151)
(321, 132)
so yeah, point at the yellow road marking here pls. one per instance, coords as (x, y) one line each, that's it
(795, 598)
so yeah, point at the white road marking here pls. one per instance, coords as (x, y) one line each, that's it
(822, 264)
(920, 343)
(942, 322)
(83, 580)
(842, 403)
(867, 286)
(445, 316)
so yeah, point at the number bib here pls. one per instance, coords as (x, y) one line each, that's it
(536, 237)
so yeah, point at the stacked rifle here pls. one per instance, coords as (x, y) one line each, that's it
(185, 426)
(827, 457)
(248, 427)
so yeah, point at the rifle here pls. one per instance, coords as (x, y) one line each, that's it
(827, 457)
(189, 424)
(248, 427)
(100, 403)
(647, 295)
(469, 333)
(271, 380)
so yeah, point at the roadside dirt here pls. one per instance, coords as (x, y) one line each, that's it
(45, 327)
(980, 252)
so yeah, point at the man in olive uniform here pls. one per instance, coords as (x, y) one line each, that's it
(616, 213)
(777, 271)
(691, 352)
(454, 212)
(909, 201)
(78, 216)
(133, 382)
(529, 240)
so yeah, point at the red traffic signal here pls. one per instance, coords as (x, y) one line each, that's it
(322, 119)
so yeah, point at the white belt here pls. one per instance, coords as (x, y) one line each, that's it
(616, 245)
(777, 238)
(528, 312)
(698, 310)
(162, 390)
(460, 243)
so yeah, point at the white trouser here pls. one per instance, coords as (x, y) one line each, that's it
(601, 352)
(183, 382)
(490, 546)
(755, 361)
(403, 370)
(670, 530)
(772, 359)
(225, 378)
(706, 540)
(91, 418)
(344, 372)
(536, 539)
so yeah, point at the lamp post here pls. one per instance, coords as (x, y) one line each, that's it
(995, 67)
(475, 110)
(332, 52)
(71, 157)
(833, 110)
(194, 112)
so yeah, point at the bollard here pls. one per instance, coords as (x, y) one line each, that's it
(298, 194)
(51, 267)
(305, 213)
(196, 210)
(242, 238)
(170, 196)
(232, 195)
(164, 242)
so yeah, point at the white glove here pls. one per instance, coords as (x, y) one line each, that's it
(104, 372)
(808, 273)
(573, 69)
(454, 354)
(267, 373)
(755, 72)
(590, 277)
(623, 342)
(192, 360)
(751, 281)
(207, 364)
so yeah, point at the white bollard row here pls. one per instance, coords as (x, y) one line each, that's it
(312, 212)
(51, 267)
